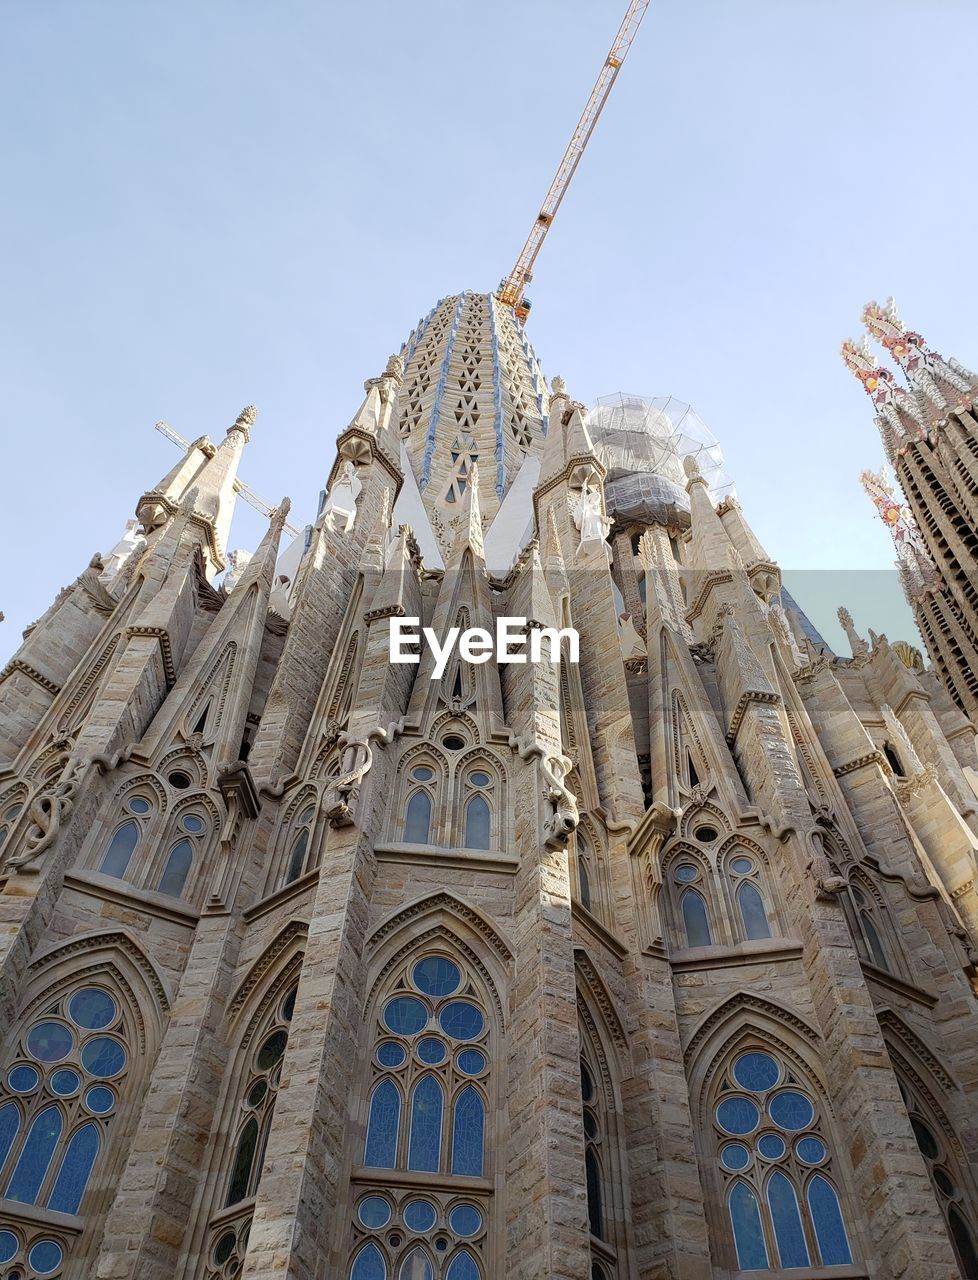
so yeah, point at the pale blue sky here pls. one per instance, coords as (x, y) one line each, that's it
(221, 202)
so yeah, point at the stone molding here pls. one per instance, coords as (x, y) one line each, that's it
(17, 664)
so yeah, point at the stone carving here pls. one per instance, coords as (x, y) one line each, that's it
(564, 815)
(342, 793)
(340, 510)
(590, 521)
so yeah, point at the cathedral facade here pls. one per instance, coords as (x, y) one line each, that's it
(318, 966)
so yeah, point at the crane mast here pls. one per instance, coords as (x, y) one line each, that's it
(511, 290)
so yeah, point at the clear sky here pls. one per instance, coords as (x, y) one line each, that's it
(218, 202)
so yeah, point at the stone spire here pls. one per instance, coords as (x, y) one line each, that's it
(215, 483)
(710, 548)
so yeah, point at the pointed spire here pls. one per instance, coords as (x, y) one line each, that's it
(710, 547)
(553, 554)
(857, 644)
(567, 435)
(157, 504)
(945, 383)
(740, 533)
(469, 536)
(216, 484)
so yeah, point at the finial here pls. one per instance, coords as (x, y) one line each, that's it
(394, 368)
(692, 467)
(244, 420)
(844, 616)
(281, 512)
(558, 387)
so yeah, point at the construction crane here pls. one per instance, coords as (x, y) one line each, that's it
(511, 290)
(243, 490)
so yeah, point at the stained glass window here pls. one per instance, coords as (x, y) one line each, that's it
(417, 823)
(177, 869)
(695, 919)
(427, 1104)
(468, 1138)
(477, 824)
(382, 1127)
(115, 861)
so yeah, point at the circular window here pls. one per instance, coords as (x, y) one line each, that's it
(465, 1220)
(420, 1215)
(453, 742)
(706, 835)
(405, 1016)
(256, 1094)
(471, 1062)
(103, 1057)
(422, 773)
(49, 1042)
(461, 1021)
(771, 1146)
(179, 780)
(374, 1212)
(685, 873)
(479, 779)
(272, 1050)
(811, 1150)
(92, 1009)
(192, 823)
(756, 1071)
(738, 1115)
(46, 1256)
(65, 1082)
(394, 1239)
(441, 1244)
(8, 1245)
(742, 866)
(432, 1051)
(390, 1054)
(792, 1111)
(735, 1156)
(138, 805)
(100, 1100)
(436, 976)
(224, 1247)
(23, 1079)
(288, 1006)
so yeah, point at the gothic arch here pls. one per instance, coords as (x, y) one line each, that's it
(445, 721)
(590, 981)
(744, 1012)
(223, 666)
(448, 902)
(284, 952)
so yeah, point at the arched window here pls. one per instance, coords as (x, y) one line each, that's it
(7, 819)
(430, 1056)
(864, 910)
(593, 1136)
(299, 849)
(478, 800)
(417, 820)
(177, 869)
(776, 1164)
(59, 1095)
(583, 879)
(893, 759)
(694, 917)
(744, 873)
(140, 808)
(257, 1103)
(947, 1178)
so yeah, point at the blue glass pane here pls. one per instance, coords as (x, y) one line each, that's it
(468, 1133)
(391, 1054)
(380, 1151)
(471, 1061)
(810, 1150)
(405, 1016)
(75, 1169)
(35, 1157)
(830, 1231)
(752, 912)
(192, 823)
(465, 1220)
(138, 805)
(65, 1082)
(177, 868)
(92, 1009)
(461, 1021)
(8, 1245)
(743, 866)
(100, 1100)
(9, 1128)
(685, 873)
(583, 882)
(788, 1231)
(873, 940)
(477, 824)
(244, 1162)
(103, 1057)
(432, 1051)
(745, 1218)
(735, 1156)
(297, 858)
(374, 1212)
(436, 976)
(23, 1079)
(427, 1104)
(369, 1265)
(420, 1215)
(738, 1115)
(463, 1267)
(46, 1256)
(417, 825)
(771, 1146)
(756, 1071)
(695, 920)
(49, 1042)
(416, 1266)
(792, 1111)
(120, 850)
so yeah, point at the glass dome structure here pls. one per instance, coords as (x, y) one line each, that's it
(643, 442)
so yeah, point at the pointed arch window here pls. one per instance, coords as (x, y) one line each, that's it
(477, 801)
(58, 1097)
(300, 837)
(177, 868)
(118, 854)
(417, 820)
(865, 910)
(430, 1066)
(7, 820)
(745, 882)
(692, 906)
(776, 1163)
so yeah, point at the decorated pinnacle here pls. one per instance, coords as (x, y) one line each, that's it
(245, 419)
(692, 467)
(558, 387)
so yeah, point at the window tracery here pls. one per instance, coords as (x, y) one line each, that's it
(744, 877)
(776, 1166)
(427, 1114)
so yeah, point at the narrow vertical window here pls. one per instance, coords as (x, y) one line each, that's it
(464, 1267)
(244, 1159)
(9, 1128)
(477, 824)
(177, 868)
(752, 913)
(592, 1177)
(417, 824)
(297, 858)
(695, 920)
(788, 1230)
(468, 1133)
(120, 850)
(830, 1231)
(748, 1236)
(416, 1266)
(427, 1104)
(380, 1151)
(583, 882)
(42, 1138)
(75, 1170)
(369, 1265)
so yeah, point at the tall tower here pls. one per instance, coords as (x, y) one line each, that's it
(317, 965)
(930, 437)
